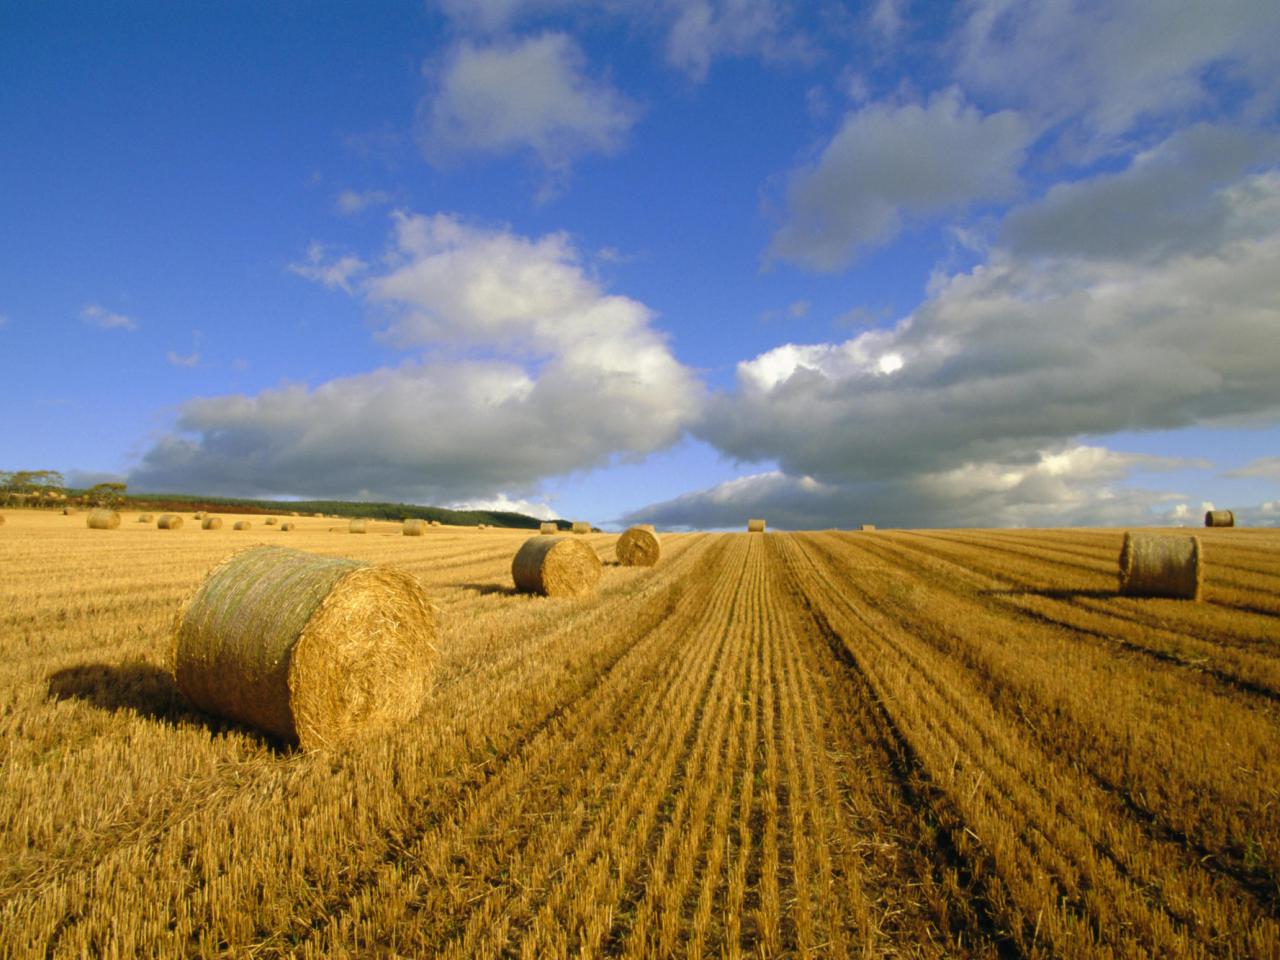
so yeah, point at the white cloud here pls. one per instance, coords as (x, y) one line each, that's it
(531, 94)
(105, 319)
(530, 508)
(1268, 467)
(182, 360)
(702, 30)
(334, 272)
(887, 164)
(354, 201)
(534, 371)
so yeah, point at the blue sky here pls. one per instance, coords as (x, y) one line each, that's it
(908, 263)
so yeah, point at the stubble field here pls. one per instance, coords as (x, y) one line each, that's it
(940, 744)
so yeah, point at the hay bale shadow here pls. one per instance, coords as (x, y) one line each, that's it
(488, 589)
(1055, 594)
(143, 689)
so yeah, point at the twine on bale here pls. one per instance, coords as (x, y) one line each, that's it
(211, 523)
(755, 526)
(556, 567)
(415, 528)
(581, 526)
(639, 546)
(102, 520)
(1153, 566)
(357, 526)
(169, 521)
(548, 527)
(312, 649)
(1219, 518)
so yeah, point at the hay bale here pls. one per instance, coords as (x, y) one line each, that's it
(415, 528)
(169, 521)
(639, 546)
(68, 511)
(1152, 566)
(142, 517)
(103, 520)
(286, 527)
(312, 649)
(358, 526)
(482, 526)
(1219, 518)
(548, 527)
(294, 513)
(869, 527)
(435, 523)
(211, 523)
(241, 525)
(271, 521)
(317, 514)
(755, 526)
(581, 526)
(556, 567)
(198, 516)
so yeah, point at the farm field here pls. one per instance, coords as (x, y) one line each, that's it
(905, 744)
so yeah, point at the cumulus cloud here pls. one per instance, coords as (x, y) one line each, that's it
(175, 359)
(354, 201)
(890, 163)
(334, 272)
(530, 94)
(99, 316)
(530, 508)
(1070, 486)
(533, 371)
(703, 30)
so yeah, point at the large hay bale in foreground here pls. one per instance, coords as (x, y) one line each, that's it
(548, 527)
(312, 649)
(241, 525)
(358, 526)
(415, 528)
(1219, 518)
(169, 521)
(211, 523)
(286, 527)
(581, 526)
(556, 567)
(1154, 566)
(271, 521)
(755, 526)
(639, 546)
(102, 520)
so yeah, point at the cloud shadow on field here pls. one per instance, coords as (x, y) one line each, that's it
(142, 689)
(1055, 594)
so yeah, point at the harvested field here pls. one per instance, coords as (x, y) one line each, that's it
(934, 744)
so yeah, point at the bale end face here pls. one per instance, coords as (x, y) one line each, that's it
(1219, 518)
(312, 649)
(755, 526)
(639, 547)
(1153, 566)
(102, 520)
(556, 567)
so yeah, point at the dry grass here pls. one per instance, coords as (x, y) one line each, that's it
(952, 744)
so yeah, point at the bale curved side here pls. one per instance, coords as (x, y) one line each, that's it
(169, 521)
(1219, 518)
(415, 528)
(102, 520)
(312, 649)
(639, 547)
(1153, 566)
(556, 567)
(211, 523)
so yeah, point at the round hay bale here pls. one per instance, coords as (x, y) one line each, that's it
(312, 649)
(639, 546)
(293, 513)
(435, 523)
(755, 526)
(581, 526)
(1219, 518)
(145, 518)
(286, 526)
(1152, 566)
(317, 514)
(548, 526)
(358, 526)
(241, 525)
(415, 528)
(198, 516)
(68, 511)
(556, 567)
(169, 521)
(869, 527)
(482, 526)
(102, 520)
(271, 521)
(211, 523)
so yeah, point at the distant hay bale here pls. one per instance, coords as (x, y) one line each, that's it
(1219, 518)
(271, 521)
(581, 526)
(358, 526)
(548, 527)
(755, 526)
(312, 649)
(1153, 566)
(317, 514)
(482, 526)
(639, 547)
(68, 511)
(211, 523)
(869, 527)
(103, 520)
(556, 567)
(294, 513)
(415, 528)
(198, 516)
(435, 523)
(286, 526)
(241, 525)
(169, 521)
(142, 518)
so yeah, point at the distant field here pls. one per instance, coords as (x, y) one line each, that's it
(940, 744)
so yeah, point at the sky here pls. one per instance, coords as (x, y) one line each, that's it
(982, 263)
